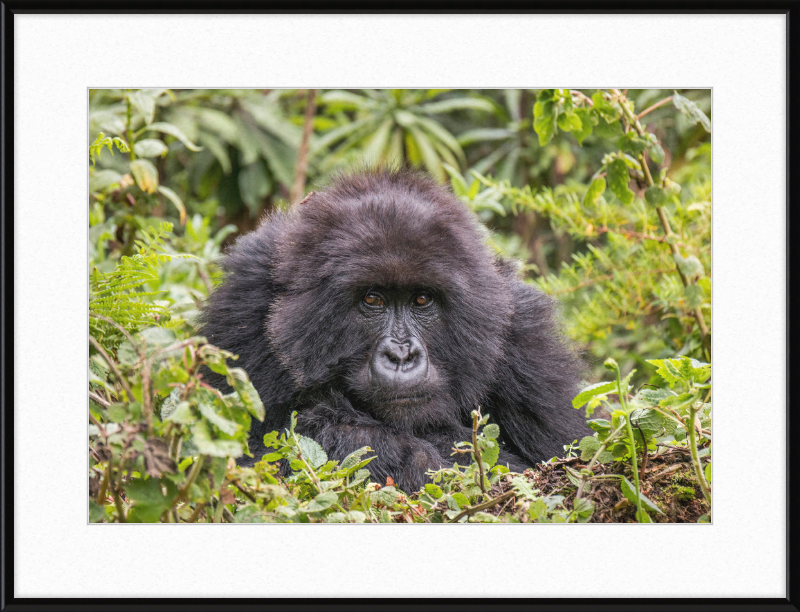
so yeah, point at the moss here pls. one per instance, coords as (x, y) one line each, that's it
(683, 494)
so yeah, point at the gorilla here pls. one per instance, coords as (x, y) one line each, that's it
(375, 309)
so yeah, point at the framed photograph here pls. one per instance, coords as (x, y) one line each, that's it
(369, 181)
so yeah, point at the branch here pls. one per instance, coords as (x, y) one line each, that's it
(654, 107)
(492, 502)
(642, 236)
(301, 167)
(476, 415)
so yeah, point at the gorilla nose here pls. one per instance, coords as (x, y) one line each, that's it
(400, 361)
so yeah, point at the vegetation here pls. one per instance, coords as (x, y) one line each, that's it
(604, 195)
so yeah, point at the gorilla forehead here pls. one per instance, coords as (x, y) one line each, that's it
(384, 231)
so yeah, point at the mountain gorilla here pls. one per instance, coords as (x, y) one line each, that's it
(375, 310)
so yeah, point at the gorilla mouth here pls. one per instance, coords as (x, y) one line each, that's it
(408, 400)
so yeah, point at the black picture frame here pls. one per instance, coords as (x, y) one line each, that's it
(10, 8)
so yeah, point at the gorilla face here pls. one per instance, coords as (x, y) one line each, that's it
(397, 379)
(376, 311)
(379, 301)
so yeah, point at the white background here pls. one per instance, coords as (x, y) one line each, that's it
(58, 56)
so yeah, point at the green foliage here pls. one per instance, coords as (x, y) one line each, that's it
(675, 415)
(393, 126)
(637, 279)
(609, 215)
(117, 295)
(105, 141)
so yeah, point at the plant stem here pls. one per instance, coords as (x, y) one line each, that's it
(128, 131)
(184, 492)
(623, 399)
(654, 107)
(101, 495)
(311, 472)
(475, 419)
(584, 479)
(487, 504)
(698, 468)
(635, 466)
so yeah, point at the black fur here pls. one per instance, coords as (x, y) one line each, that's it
(292, 307)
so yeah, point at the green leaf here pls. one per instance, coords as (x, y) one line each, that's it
(650, 421)
(223, 424)
(632, 143)
(181, 414)
(484, 134)
(523, 488)
(618, 179)
(629, 491)
(446, 106)
(323, 501)
(591, 391)
(145, 103)
(176, 201)
(352, 460)
(570, 122)
(353, 516)
(490, 453)
(584, 508)
(589, 445)
(460, 499)
(172, 130)
(491, 431)
(238, 379)
(595, 190)
(385, 495)
(545, 116)
(97, 513)
(693, 295)
(653, 396)
(254, 186)
(690, 266)
(145, 174)
(102, 179)
(117, 413)
(206, 445)
(612, 130)
(313, 452)
(655, 196)
(149, 501)
(656, 153)
(691, 110)
(434, 491)
(663, 369)
(610, 111)
(588, 120)
(538, 510)
(149, 147)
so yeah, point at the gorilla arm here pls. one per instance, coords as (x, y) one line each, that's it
(340, 429)
(531, 399)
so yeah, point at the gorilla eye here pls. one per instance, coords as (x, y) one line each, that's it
(423, 299)
(372, 299)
